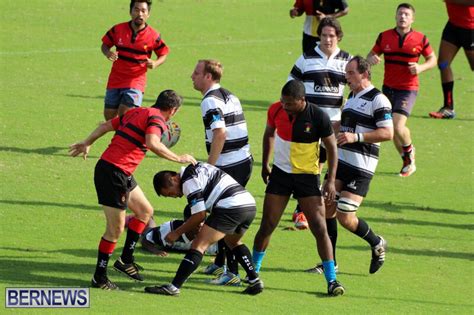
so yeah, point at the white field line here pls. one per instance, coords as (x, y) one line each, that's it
(200, 44)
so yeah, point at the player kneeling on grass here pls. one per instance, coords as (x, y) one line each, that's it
(232, 210)
(137, 131)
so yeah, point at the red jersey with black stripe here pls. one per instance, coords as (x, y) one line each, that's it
(461, 15)
(128, 146)
(398, 51)
(129, 70)
(296, 147)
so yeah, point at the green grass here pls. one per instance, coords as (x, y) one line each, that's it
(53, 80)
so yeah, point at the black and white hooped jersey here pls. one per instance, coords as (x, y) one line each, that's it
(221, 109)
(364, 112)
(158, 234)
(206, 187)
(323, 78)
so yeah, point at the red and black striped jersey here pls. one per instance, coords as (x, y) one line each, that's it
(128, 146)
(398, 51)
(129, 70)
(461, 15)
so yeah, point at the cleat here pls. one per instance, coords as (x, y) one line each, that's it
(378, 255)
(443, 113)
(409, 166)
(300, 221)
(103, 283)
(215, 270)
(335, 288)
(254, 288)
(166, 289)
(320, 269)
(227, 278)
(130, 270)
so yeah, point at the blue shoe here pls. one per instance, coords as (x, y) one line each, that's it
(227, 278)
(214, 269)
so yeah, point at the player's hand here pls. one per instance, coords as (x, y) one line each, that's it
(186, 158)
(329, 191)
(266, 170)
(294, 13)
(78, 148)
(414, 68)
(150, 63)
(112, 55)
(346, 137)
(171, 237)
(373, 60)
(320, 15)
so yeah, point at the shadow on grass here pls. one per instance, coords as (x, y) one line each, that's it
(416, 252)
(400, 206)
(405, 300)
(443, 120)
(402, 221)
(158, 212)
(191, 100)
(53, 150)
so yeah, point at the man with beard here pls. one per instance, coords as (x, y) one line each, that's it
(134, 43)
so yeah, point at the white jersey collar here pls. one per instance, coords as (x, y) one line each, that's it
(215, 86)
(319, 51)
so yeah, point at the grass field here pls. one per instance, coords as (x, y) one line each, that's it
(53, 79)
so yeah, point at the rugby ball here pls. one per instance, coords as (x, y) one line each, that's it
(171, 136)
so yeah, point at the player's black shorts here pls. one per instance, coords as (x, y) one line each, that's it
(353, 182)
(309, 42)
(300, 185)
(460, 37)
(240, 172)
(402, 101)
(112, 185)
(231, 221)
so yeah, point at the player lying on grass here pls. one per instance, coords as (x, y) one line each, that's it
(153, 238)
(232, 210)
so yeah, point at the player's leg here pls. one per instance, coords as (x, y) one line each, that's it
(206, 236)
(142, 209)
(273, 207)
(331, 225)
(111, 103)
(346, 215)
(313, 208)
(115, 222)
(129, 99)
(448, 48)
(241, 251)
(111, 185)
(470, 56)
(244, 257)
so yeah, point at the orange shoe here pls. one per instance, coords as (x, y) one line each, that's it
(300, 222)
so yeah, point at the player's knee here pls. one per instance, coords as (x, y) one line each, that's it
(442, 65)
(113, 233)
(346, 206)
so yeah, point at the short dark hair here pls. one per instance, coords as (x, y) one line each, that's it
(148, 2)
(406, 6)
(331, 22)
(162, 180)
(362, 65)
(168, 99)
(293, 88)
